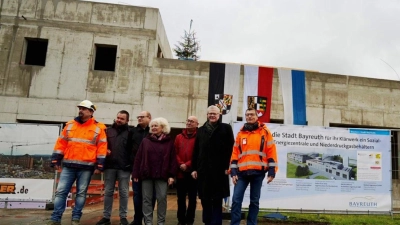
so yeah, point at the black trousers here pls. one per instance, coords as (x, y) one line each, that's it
(186, 186)
(212, 211)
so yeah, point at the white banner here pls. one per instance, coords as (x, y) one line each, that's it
(25, 157)
(26, 189)
(323, 168)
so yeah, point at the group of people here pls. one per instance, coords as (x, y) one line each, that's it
(198, 161)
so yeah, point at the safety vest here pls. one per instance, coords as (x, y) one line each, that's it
(253, 150)
(81, 145)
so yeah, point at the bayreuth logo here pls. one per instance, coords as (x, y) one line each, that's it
(7, 188)
(258, 103)
(363, 202)
(223, 102)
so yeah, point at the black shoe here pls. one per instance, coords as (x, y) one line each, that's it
(104, 221)
(123, 221)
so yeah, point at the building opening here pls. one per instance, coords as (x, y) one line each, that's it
(105, 58)
(36, 51)
(159, 53)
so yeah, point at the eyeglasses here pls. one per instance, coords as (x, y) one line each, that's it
(212, 114)
(190, 121)
(141, 117)
(250, 114)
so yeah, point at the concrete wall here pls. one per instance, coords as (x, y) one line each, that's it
(176, 89)
(352, 100)
(72, 29)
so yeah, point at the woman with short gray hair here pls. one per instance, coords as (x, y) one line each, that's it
(156, 166)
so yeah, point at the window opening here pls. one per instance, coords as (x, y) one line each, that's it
(36, 51)
(105, 58)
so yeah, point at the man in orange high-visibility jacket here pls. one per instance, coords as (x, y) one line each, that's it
(82, 148)
(254, 154)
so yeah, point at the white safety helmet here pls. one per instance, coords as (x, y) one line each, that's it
(87, 104)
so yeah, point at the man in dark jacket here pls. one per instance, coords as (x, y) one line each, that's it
(185, 184)
(210, 163)
(118, 166)
(139, 132)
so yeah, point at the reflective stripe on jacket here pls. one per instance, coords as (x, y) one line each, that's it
(81, 145)
(253, 150)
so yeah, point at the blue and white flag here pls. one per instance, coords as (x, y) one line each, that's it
(293, 88)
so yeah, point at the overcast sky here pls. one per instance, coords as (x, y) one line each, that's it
(358, 38)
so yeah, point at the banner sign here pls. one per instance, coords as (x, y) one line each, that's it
(323, 168)
(26, 189)
(25, 157)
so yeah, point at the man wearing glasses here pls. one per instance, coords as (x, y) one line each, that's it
(139, 132)
(210, 163)
(254, 154)
(185, 184)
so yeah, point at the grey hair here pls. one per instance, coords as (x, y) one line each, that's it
(213, 107)
(161, 122)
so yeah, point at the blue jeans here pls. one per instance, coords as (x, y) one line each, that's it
(67, 178)
(255, 182)
(110, 177)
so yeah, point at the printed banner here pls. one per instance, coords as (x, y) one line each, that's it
(25, 157)
(223, 89)
(293, 88)
(16, 189)
(257, 91)
(322, 168)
